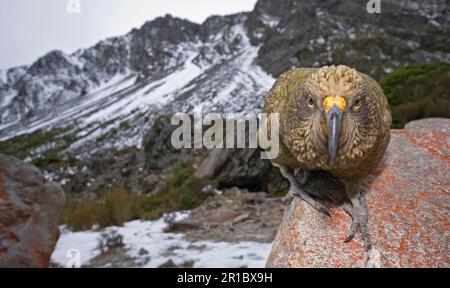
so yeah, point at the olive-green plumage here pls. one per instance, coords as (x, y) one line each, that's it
(332, 119)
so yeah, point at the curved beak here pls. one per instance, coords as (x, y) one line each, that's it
(333, 106)
(333, 126)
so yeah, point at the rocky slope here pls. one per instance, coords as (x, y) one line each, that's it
(107, 95)
(408, 201)
(316, 33)
(29, 213)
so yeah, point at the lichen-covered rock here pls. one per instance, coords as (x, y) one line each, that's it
(29, 212)
(409, 204)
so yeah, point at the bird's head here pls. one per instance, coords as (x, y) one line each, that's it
(333, 111)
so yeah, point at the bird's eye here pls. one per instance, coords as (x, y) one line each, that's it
(310, 102)
(357, 103)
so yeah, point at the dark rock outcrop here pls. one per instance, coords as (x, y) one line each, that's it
(158, 150)
(29, 213)
(231, 167)
(408, 198)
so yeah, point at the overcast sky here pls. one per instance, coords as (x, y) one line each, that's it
(30, 28)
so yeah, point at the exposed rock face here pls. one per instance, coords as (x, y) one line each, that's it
(311, 33)
(29, 213)
(408, 198)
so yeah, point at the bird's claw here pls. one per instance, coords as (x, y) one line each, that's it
(297, 190)
(352, 231)
(360, 217)
(324, 211)
(308, 199)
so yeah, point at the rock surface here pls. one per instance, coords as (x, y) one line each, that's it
(233, 216)
(409, 202)
(29, 212)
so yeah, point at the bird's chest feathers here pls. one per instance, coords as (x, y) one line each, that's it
(309, 147)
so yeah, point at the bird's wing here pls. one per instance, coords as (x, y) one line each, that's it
(381, 101)
(274, 101)
(384, 128)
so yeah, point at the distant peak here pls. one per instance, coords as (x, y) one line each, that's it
(52, 60)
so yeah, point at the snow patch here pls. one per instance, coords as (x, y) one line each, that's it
(86, 242)
(160, 247)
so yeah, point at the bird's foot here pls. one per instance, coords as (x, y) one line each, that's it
(307, 198)
(297, 190)
(357, 209)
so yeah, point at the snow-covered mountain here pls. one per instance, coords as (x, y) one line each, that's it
(108, 95)
(132, 79)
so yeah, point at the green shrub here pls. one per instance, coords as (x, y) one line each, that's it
(191, 194)
(21, 146)
(124, 125)
(49, 158)
(181, 191)
(126, 151)
(418, 91)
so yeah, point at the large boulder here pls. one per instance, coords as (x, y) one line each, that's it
(409, 203)
(29, 213)
(241, 167)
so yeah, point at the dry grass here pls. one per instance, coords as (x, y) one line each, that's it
(116, 205)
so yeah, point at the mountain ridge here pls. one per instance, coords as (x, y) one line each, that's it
(105, 96)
